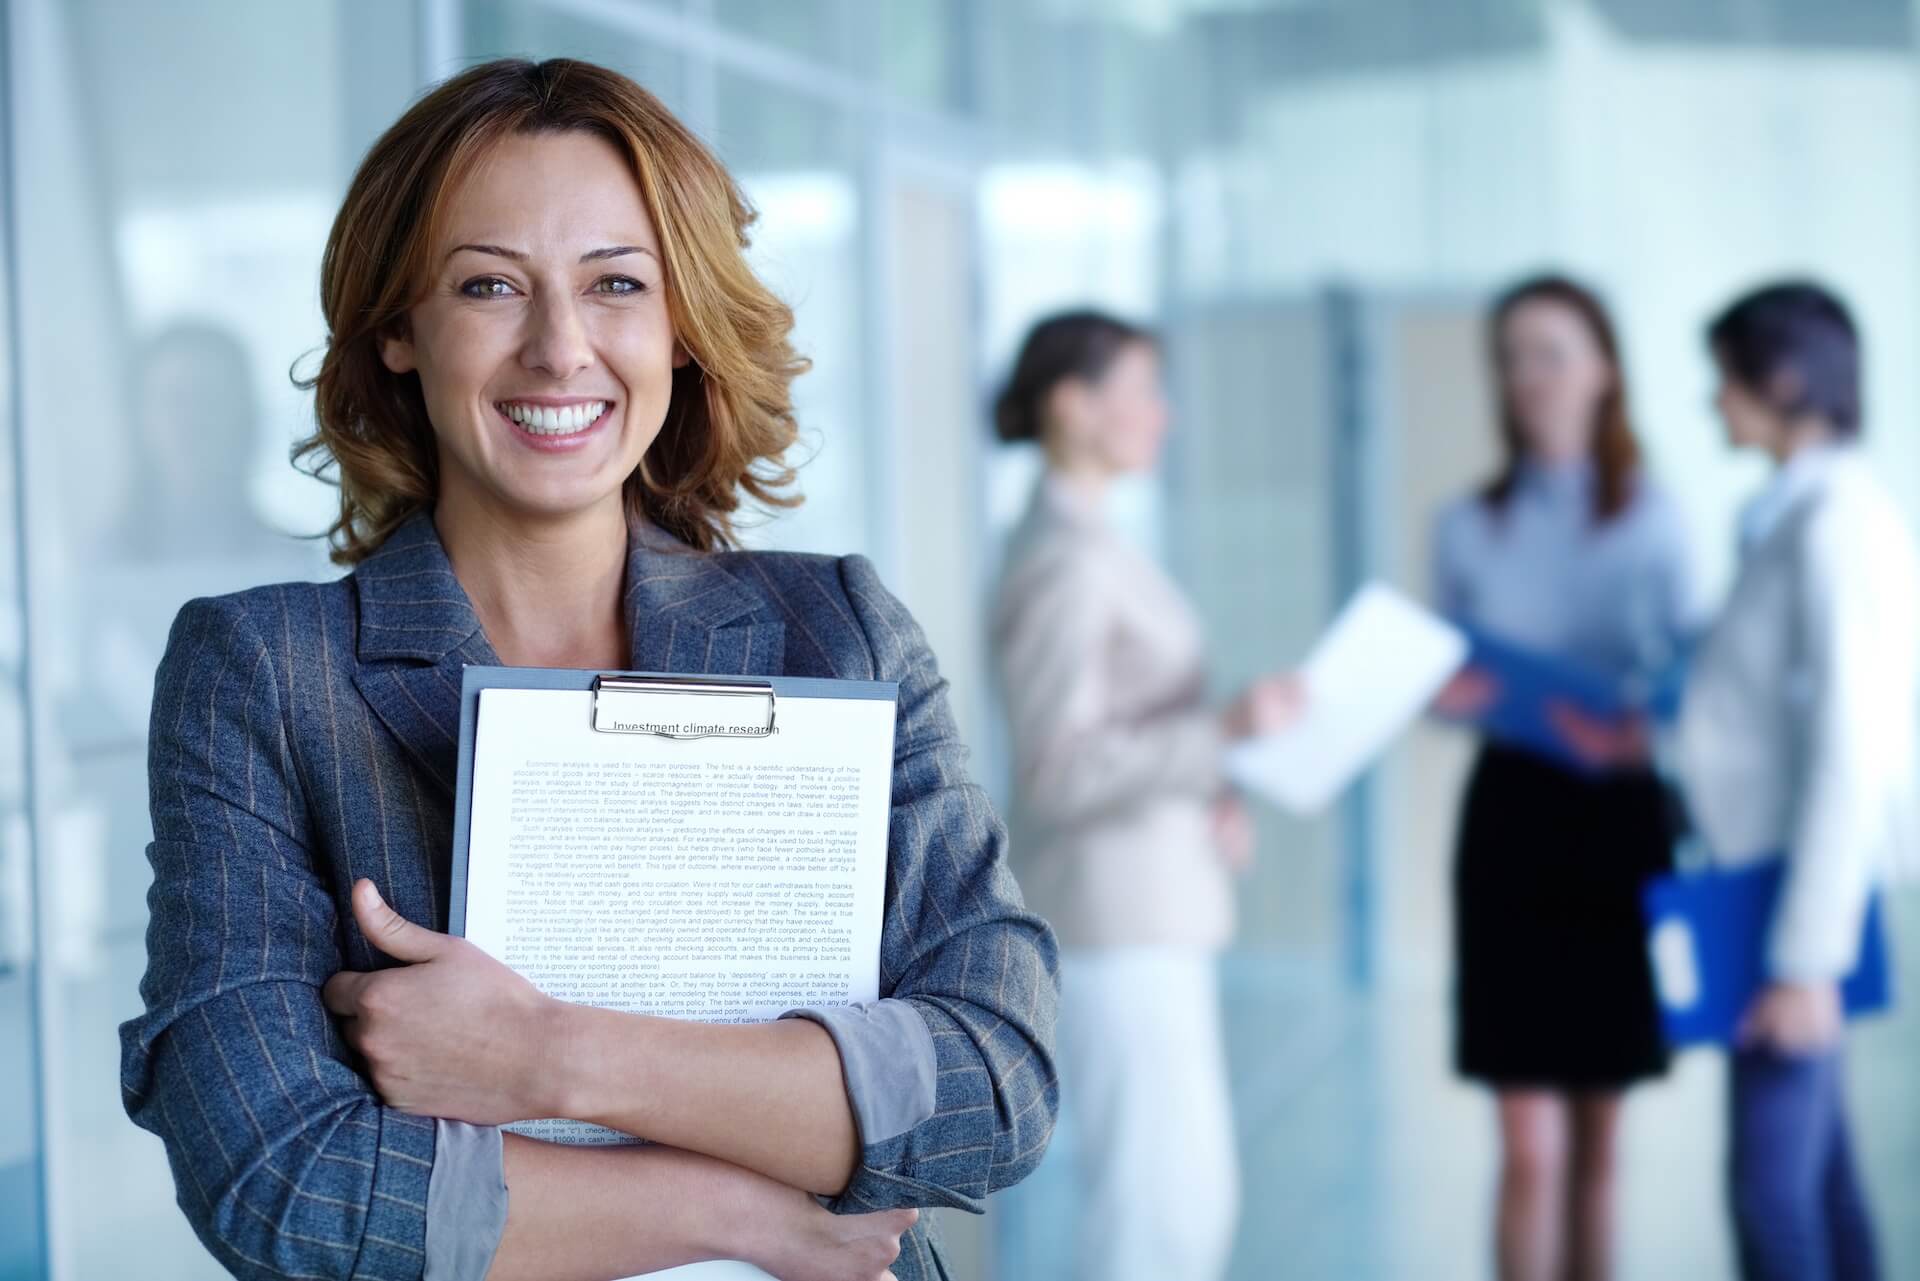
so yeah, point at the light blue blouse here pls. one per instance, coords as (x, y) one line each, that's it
(1543, 572)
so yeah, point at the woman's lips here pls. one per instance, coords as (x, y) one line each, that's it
(550, 428)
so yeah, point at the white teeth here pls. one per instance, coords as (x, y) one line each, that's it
(566, 420)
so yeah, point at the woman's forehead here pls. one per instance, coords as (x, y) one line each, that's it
(549, 194)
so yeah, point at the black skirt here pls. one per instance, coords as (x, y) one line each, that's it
(1555, 988)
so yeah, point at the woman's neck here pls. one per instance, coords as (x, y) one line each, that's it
(1086, 479)
(548, 592)
(1569, 456)
(1800, 437)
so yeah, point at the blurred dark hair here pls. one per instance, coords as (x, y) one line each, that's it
(1616, 451)
(1799, 332)
(211, 348)
(1071, 344)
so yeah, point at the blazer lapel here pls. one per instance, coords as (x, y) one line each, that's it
(687, 613)
(417, 630)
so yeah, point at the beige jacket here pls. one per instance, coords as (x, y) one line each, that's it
(1117, 756)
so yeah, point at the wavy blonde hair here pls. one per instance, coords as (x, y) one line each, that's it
(730, 420)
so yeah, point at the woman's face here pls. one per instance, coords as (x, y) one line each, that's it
(1118, 421)
(1751, 422)
(543, 344)
(1554, 376)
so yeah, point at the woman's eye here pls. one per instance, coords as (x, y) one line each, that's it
(619, 285)
(486, 287)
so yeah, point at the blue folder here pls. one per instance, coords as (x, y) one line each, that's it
(1708, 935)
(1531, 683)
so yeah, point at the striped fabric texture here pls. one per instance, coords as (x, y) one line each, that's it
(304, 735)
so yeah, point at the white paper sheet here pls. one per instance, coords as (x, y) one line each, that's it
(1371, 673)
(724, 879)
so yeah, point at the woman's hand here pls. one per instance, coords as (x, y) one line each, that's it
(1233, 831)
(1794, 1018)
(453, 1033)
(1265, 707)
(1600, 743)
(798, 1240)
(1467, 696)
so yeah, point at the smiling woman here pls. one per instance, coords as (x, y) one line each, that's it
(551, 379)
(588, 264)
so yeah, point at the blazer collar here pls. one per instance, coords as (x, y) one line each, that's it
(412, 606)
(687, 611)
(1792, 486)
(1059, 499)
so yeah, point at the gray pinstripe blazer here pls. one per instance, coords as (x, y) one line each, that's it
(303, 735)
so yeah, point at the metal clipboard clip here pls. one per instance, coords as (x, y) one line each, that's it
(661, 706)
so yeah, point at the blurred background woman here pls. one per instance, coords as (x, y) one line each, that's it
(1798, 736)
(1571, 553)
(1127, 833)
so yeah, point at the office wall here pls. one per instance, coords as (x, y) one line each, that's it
(1672, 176)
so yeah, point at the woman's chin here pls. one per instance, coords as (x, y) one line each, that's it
(549, 502)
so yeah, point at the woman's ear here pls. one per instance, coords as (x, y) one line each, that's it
(396, 348)
(1785, 391)
(681, 356)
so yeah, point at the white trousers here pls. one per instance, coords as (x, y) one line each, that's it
(1143, 1077)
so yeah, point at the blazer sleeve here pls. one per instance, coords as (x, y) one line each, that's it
(283, 1159)
(1078, 762)
(958, 946)
(1816, 929)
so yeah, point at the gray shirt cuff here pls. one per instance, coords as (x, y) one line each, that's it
(887, 1058)
(466, 1201)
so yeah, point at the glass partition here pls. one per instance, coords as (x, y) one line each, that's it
(173, 225)
(21, 1217)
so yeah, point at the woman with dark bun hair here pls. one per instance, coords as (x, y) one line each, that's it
(1569, 551)
(551, 378)
(1127, 833)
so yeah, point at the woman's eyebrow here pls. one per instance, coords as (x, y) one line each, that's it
(616, 251)
(496, 250)
(592, 255)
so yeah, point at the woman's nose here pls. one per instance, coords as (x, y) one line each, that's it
(557, 343)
